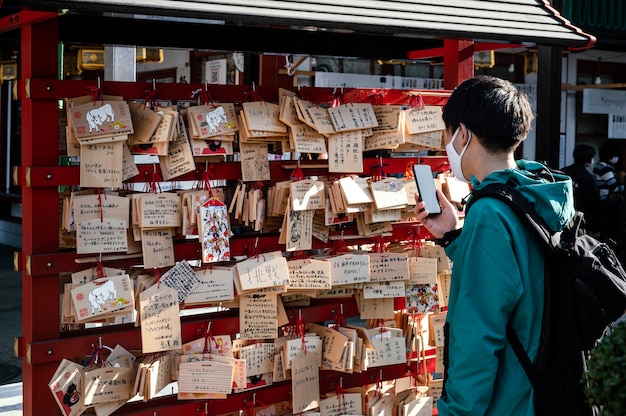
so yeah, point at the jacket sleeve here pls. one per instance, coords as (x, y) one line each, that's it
(486, 286)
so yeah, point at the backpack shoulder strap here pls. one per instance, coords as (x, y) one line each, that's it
(522, 207)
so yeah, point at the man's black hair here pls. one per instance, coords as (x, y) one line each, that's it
(493, 109)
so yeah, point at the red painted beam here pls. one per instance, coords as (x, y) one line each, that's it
(226, 322)
(24, 18)
(425, 53)
(480, 46)
(53, 89)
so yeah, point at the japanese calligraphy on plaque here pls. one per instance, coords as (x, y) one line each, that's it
(388, 267)
(182, 278)
(422, 270)
(258, 315)
(422, 120)
(160, 320)
(305, 383)
(268, 270)
(349, 268)
(102, 164)
(309, 274)
(345, 152)
(353, 116)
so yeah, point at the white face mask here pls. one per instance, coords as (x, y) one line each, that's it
(454, 158)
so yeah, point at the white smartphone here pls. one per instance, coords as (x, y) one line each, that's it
(426, 188)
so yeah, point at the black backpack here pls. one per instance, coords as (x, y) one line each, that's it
(585, 293)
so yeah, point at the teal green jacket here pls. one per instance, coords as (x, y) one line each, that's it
(497, 276)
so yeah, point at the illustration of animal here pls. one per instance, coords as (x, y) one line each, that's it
(101, 294)
(215, 118)
(97, 116)
(71, 396)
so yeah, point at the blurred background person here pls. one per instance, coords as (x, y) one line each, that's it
(611, 213)
(586, 194)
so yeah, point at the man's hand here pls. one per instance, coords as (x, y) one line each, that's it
(438, 224)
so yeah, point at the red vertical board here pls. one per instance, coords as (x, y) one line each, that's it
(40, 307)
(458, 62)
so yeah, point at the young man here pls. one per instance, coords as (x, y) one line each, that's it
(498, 268)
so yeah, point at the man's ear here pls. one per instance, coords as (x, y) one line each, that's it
(464, 134)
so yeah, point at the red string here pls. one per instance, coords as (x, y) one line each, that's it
(204, 96)
(341, 399)
(301, 332)
(378, 97)
(99, 270)
(339, 247)
(340, 320)
(378, 171)
(157, 276)
(416, 101)
(248, 408)
(151, 100)
(300, 255)
(416, 242)
(254, 96)
(95, 93)
(101, 209)
(154, 180)
(337, 98)
(297, 174)
(208, 339)
(206, 176)
(408, 170)
(379, 385)
(291, 328)
(380, 323)
(379, 245)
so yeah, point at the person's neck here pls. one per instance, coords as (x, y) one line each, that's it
(488, 162)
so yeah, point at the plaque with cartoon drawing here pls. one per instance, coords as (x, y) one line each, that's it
(103, 296)
(215, 231)
(104, 118)
(214, 120)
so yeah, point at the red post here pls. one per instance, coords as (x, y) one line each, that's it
(458, 61)
(40, 118)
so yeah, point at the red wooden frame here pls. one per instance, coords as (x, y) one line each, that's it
(42, 344)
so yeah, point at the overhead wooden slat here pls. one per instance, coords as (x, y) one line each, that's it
(505, 20)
